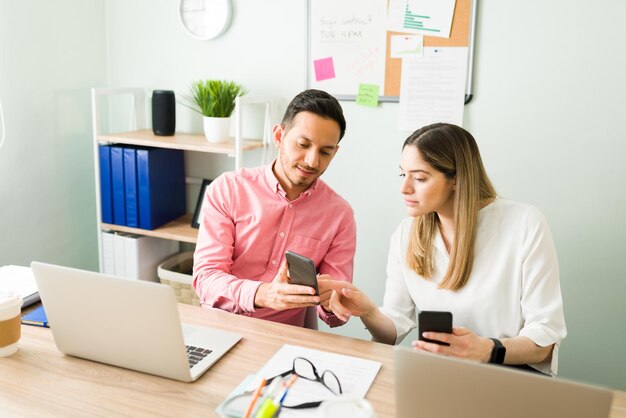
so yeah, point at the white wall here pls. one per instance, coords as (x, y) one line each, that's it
(51, 52)
(548, 109)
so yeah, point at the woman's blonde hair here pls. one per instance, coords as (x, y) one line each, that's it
(453, 151)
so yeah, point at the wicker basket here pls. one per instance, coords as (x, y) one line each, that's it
(176, 271)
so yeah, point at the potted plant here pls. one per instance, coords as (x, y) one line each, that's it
(215, 100)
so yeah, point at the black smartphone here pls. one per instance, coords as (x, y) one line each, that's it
(434, 321)
(302, 270)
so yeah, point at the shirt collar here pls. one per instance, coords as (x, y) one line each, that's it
(438, 241)
(271, 179)
(275, 186)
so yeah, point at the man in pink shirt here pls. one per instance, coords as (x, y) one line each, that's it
(250, 217)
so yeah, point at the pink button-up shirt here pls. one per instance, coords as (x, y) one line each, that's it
(248, 224)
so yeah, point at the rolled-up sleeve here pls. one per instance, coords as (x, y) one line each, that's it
(541, 302)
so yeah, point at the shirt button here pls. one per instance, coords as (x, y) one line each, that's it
(291, 205)
(274, 262)
(282, 235)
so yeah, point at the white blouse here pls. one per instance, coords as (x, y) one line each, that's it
(513, 288)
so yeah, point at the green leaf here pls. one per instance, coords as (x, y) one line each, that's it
(216, 98)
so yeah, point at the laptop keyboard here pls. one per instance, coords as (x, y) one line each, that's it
(196, 354)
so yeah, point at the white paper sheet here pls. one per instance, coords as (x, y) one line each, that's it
(356, 375)
(423, 17)
(432, 88)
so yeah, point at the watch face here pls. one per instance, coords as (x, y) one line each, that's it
(205, 19)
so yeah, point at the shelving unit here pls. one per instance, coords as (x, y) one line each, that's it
(179, 229)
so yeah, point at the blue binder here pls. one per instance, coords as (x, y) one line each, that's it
(161, 186)
(106, 197)
(117, 181)
(130, 187)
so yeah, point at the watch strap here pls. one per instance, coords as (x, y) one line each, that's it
(498, 352)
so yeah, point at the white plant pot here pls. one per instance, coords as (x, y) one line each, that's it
(216, 129)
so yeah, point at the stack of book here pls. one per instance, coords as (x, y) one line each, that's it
(141, 187)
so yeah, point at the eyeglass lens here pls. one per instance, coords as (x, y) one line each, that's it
(331, 382)
(304, 368)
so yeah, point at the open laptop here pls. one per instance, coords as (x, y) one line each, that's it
(127, 323)
(434, 386)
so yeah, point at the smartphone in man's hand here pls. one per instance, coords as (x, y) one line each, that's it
(302, 270)
(434, 321)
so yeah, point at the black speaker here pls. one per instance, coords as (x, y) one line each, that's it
(163, 112)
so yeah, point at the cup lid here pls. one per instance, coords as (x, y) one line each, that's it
(9, 300)
(346, 406)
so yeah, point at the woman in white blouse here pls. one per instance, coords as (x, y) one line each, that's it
(489, 261)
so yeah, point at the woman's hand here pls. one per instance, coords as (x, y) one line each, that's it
(463, 344)
(350, 301)
(326, 284)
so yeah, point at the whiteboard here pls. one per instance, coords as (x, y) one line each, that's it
(352, 35)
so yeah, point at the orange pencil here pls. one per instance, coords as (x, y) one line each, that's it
(255, 396)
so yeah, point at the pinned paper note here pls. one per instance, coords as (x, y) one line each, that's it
(432, 88)
(368, 95)
(324, 69)
(407, 46)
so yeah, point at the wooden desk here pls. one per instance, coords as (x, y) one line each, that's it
(40, 381)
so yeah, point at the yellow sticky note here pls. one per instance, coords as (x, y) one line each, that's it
(368, 95)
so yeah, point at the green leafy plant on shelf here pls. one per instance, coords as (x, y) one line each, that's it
(216, 98)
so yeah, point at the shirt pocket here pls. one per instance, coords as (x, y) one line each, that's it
(310, 247)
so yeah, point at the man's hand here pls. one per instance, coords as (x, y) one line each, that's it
(280, 295)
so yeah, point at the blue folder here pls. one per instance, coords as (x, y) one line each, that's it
(130, 187)
(117, 182)
(161, 186)
(106, 192)
(36, 317)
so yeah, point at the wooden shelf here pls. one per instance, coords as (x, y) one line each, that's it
(187, 142)
(179, 229)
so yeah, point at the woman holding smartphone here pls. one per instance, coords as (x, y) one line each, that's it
(489, 261)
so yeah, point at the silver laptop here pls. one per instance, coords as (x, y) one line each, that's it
(126, 323)
(434, 386)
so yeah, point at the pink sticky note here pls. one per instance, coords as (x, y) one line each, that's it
(324, 69)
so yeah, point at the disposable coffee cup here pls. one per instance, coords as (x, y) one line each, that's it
(346, 406)
(10, 327)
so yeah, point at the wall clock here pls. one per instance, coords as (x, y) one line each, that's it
(205, 19)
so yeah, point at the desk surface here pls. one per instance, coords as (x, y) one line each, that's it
(40, 381)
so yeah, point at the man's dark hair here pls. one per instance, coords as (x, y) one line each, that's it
(318, 102)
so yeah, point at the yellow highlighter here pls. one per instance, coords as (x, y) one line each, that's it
(268, 398)
(269, 407)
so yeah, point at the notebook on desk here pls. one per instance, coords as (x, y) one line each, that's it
(36, 317)
(434, 386)
(127, 323)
